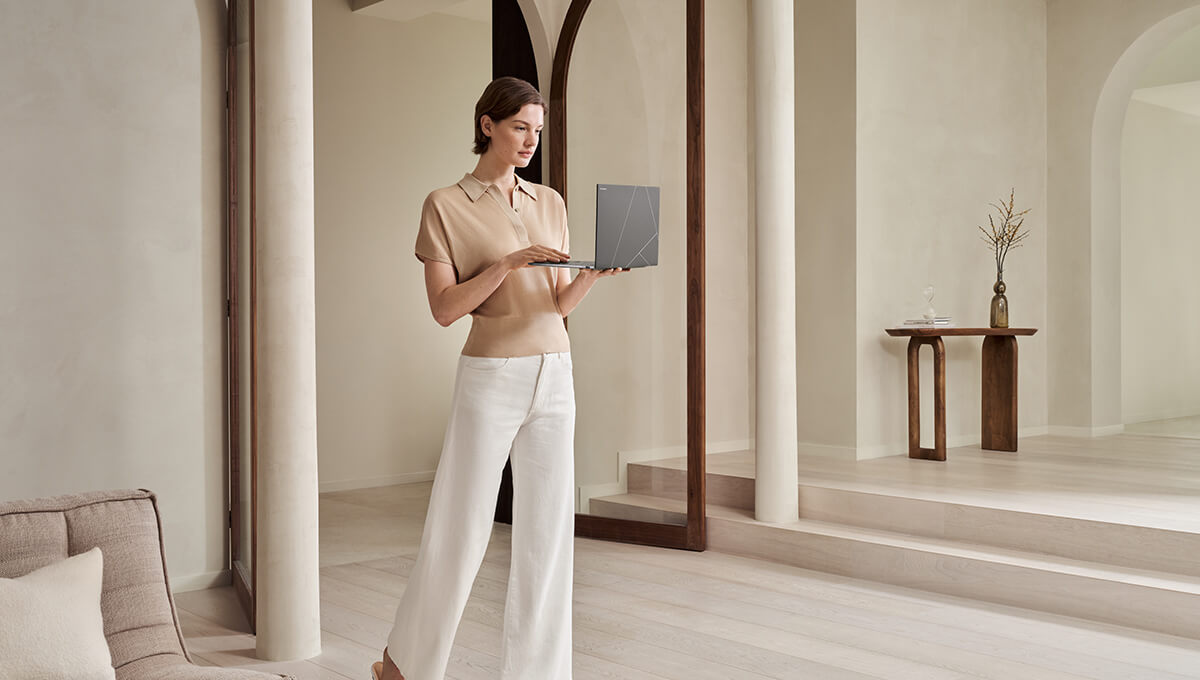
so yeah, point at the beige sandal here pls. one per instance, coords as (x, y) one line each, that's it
(377, 670)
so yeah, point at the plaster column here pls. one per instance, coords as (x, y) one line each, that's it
(288, 610)
(775, 494)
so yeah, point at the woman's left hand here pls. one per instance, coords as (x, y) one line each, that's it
(599, 273)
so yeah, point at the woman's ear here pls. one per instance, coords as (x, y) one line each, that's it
(485, 124)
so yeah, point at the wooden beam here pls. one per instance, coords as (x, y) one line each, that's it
(697, 534)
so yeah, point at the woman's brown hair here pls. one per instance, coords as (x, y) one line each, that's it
(503, 97)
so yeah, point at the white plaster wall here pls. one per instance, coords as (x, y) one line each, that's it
(951, 115)
(1097, 50)
(626, 124)
(729, 209)
(111, 302)
(393, 108)
(826, 135)
(1160, 284)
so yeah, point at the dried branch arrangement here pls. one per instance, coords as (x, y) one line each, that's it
(1006, 235)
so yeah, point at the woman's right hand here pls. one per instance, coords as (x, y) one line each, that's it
(535, 253)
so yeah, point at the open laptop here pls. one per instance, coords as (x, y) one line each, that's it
(626, 229)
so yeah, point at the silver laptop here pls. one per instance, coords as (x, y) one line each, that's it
(626, 229)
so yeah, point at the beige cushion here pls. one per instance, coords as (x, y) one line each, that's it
(52, 627)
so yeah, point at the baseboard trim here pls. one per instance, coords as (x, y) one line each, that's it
(1140, 418)
(881, 451)
(952, 442)
(1070, 431)
(827, 451)
(586, 492)
(203, 581)
(1085, 432)
(372, 482)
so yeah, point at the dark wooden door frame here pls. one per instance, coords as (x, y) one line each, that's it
(693, 535)
(243, 584)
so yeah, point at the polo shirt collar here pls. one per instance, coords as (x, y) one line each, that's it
(527, 187)
(474, 188)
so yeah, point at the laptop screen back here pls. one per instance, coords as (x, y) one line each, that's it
(626, 226)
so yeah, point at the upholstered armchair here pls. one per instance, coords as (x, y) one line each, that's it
(140, 624)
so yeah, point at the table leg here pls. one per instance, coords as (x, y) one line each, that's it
(939, 400)
(938, 452)
(999, 397)
(914, 397)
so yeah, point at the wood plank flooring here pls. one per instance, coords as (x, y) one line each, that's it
(650, 614)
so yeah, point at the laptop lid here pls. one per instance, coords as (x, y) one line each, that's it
(626, 226)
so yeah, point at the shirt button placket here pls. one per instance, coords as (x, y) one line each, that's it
(518, 224)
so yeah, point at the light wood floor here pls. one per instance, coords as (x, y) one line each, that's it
(643, 613)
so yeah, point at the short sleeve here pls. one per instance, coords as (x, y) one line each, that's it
(432, 243)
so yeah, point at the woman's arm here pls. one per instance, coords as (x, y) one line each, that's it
(571, 293)
(450, 301)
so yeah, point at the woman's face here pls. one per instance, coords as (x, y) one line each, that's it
(515, 138)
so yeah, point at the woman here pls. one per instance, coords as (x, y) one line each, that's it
(513, 396)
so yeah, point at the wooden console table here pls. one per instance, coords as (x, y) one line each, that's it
(999, 386)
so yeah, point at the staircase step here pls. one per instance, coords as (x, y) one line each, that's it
(1051, 547)
(1146, 599)
(640, 508)
(663, 479)
(1121, 545)
(1104, 542)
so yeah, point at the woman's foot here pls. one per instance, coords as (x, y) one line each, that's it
(386, 670)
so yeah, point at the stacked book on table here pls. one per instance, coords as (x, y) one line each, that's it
(937, 321)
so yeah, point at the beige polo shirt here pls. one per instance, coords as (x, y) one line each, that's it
(470, 226)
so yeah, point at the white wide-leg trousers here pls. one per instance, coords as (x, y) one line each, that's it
(523, 407)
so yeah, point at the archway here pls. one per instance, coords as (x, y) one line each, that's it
(1104, 244)
(1160, 285)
